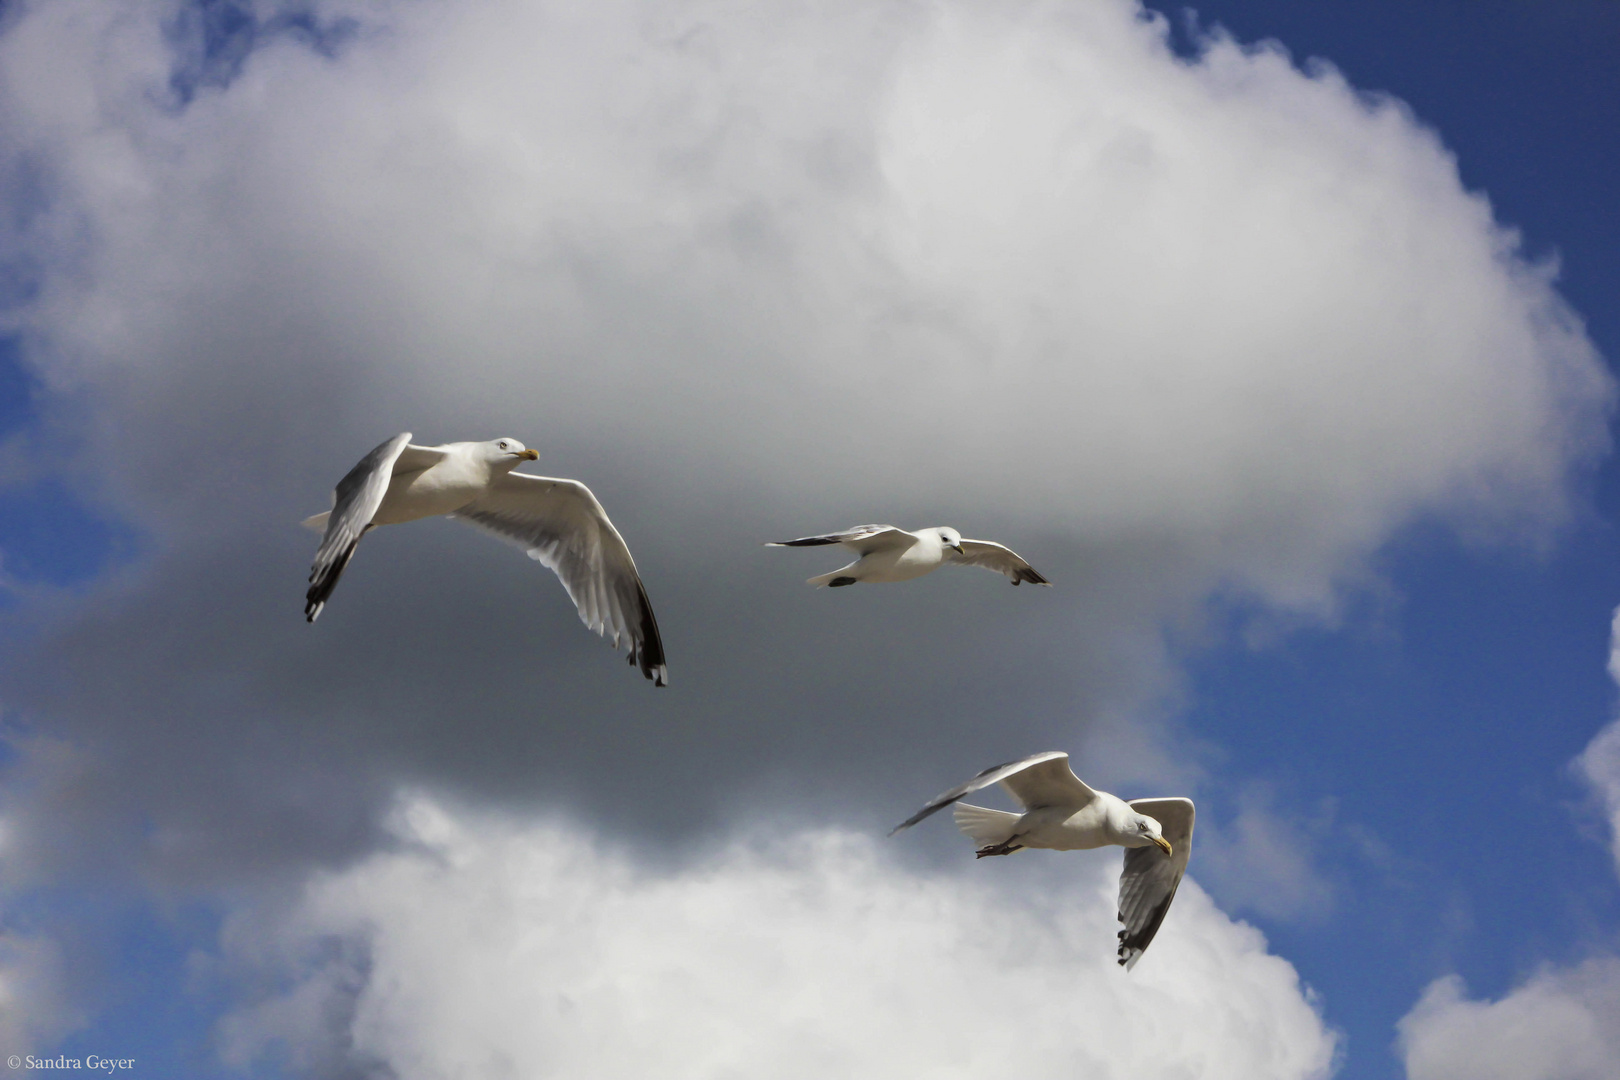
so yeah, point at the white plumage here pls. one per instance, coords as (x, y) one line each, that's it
(892, 554)
(558, 522)
(1062, 813)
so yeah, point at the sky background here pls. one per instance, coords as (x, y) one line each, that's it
(1286, 362)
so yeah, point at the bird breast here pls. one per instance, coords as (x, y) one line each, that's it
(1065, 829)
(439, 489)
(902, 564)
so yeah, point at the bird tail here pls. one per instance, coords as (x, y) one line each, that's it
(317, 521)
(823, 579)
(983, 825)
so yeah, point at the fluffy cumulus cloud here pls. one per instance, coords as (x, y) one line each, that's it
(502, 948)
(1174, 328)
(1021, 258)
(1561, 1024)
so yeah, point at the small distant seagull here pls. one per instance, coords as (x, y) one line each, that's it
(558, 522)
(891, 554)
(1062, 813)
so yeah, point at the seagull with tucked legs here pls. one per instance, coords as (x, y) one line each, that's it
(891, 554)
(558, 522)
(1062, 813)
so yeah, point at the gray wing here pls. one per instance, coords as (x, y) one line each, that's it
(989, 776)
(993, 556)
(1151, 877)
(560, 524)
(862, 538)
(356, 499)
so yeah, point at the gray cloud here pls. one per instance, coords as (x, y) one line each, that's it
(1174, 330)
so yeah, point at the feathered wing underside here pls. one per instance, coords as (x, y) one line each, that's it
(1047, 780)
(354, 503)
(1151, 877)
(561, 525)
(863, 538)
(993, 556)
(989, 776)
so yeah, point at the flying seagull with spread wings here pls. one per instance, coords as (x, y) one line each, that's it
(558, 522)
(891, 554)
(1062, 813)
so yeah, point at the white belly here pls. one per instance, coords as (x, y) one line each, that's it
(439, 489)
(886, 566)
(1063, 830)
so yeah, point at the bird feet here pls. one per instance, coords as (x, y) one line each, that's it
(1006, 847)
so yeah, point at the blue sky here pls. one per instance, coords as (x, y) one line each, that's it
(1377, 703)
(1490, 678)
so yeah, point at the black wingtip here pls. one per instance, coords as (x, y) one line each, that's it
(323, 579)
(804, 541)
(648, 653)
(1139, 941)
(913, 819)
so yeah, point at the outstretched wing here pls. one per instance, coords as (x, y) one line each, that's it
(356, 499)
(863, 538)
(1038, 776)
(1048, 782)
(992, 556)
(560, 523)
(1151, 877)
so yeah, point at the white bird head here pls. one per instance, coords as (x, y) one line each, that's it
(508, 453)
(1141, 830)
(950, 538)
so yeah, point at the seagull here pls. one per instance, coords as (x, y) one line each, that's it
(558, 522)
(1062, 813)
(891, 554)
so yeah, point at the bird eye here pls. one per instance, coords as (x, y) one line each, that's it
(503, 446)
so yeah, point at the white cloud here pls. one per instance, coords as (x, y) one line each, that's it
(1206, 326)
(493, 947)
(1199, 328)
(1563, 1023)
(1219, 302)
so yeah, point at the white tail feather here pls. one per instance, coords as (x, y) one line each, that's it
(317, 522)
(985, 826)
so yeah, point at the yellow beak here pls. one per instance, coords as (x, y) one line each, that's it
(529, 455)
(1162, 842)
